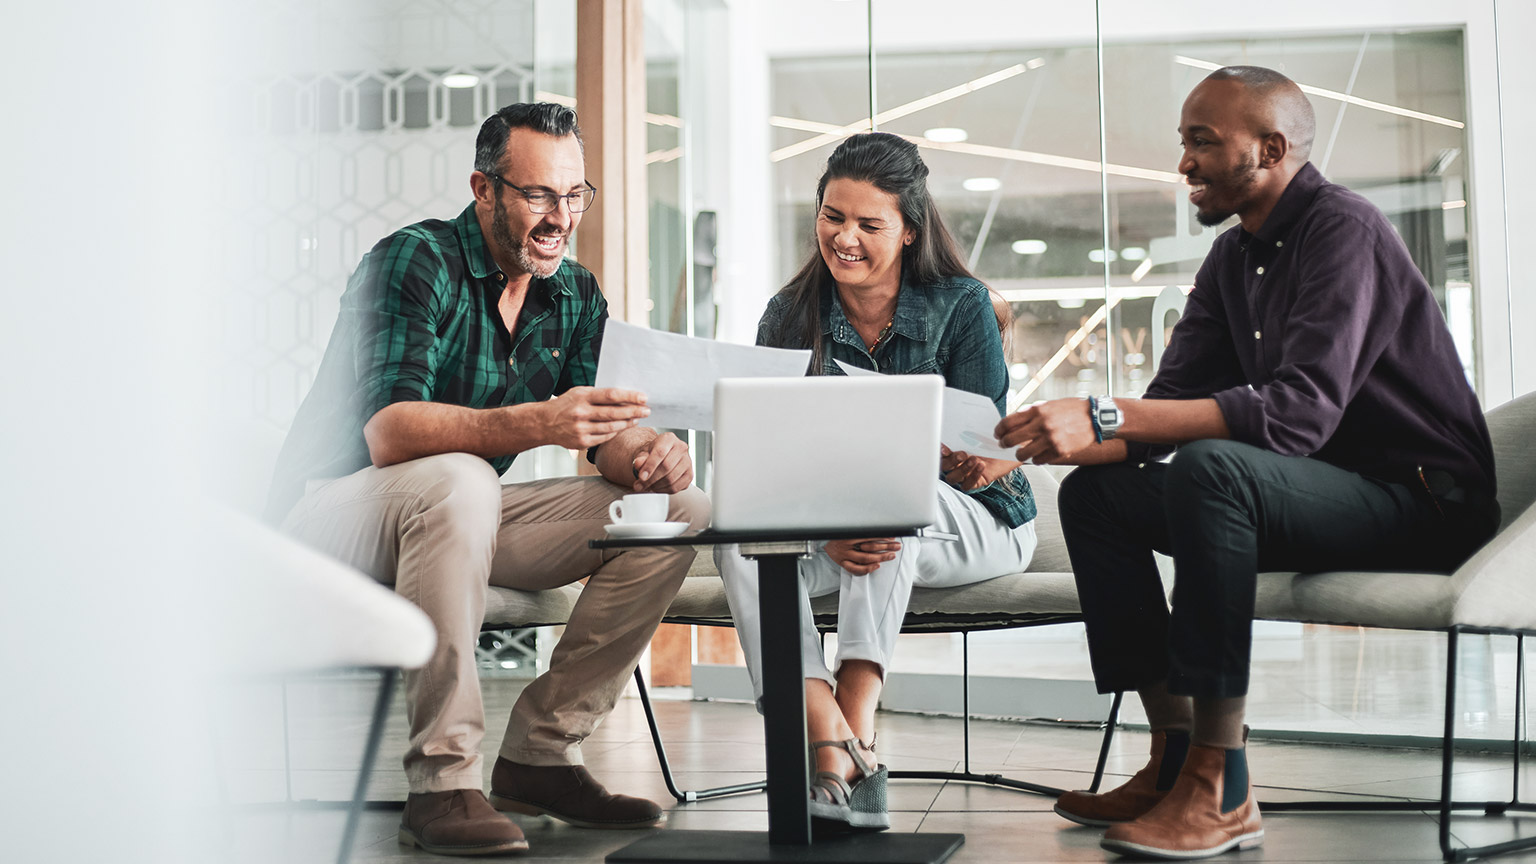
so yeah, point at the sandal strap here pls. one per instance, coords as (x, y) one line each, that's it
(852, 746)
(836, 787)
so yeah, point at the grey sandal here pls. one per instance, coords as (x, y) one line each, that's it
(836, 804)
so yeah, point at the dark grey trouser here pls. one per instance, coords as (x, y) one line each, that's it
(1225, 512)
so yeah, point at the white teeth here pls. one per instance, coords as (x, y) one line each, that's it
(846, 257)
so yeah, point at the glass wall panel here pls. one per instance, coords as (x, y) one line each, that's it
(1008, 124)
(365, 125)
(665, 34)
(816, 100)
(1390, 105)
(1007, 119)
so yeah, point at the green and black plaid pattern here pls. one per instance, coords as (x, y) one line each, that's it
(419, 323)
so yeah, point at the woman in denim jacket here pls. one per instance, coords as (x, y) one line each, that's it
(886, 290)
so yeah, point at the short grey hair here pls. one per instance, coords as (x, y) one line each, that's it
(546, 117)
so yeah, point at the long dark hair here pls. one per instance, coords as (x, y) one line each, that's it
(891, 164)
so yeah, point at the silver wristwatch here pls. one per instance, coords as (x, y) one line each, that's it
(1108, 415)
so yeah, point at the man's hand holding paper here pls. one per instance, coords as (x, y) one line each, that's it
(677, 373)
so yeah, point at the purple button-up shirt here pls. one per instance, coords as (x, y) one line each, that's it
(1318, 337)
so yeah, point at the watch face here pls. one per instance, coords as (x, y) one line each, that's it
(1109, 415)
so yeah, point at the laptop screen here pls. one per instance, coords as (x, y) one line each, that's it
(829, 453)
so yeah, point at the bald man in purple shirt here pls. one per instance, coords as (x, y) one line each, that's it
(1321, 421)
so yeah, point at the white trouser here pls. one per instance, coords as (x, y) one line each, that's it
(871, 608)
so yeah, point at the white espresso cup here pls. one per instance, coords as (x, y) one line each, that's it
(639, 508)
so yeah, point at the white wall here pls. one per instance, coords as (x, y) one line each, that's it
(106, 265)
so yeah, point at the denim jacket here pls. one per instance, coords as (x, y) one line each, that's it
(946, 328)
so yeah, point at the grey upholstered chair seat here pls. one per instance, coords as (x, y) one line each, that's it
(1496, 587)
(510, 609)
(702, 597)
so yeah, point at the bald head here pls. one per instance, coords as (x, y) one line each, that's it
(1245, 132)
(1272, 103)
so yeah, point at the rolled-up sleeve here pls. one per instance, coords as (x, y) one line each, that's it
(1201, 359)
(1336, 327)
(396, 301)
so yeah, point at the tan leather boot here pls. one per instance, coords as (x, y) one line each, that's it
(1137, 795)
(458, 822)
(1209, 810)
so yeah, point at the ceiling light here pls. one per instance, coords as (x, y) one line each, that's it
(1133, 253)
(1097, 255)
(460, 81)
(982, 184)
(1029, 247)
(946, 134)
(1072, 303)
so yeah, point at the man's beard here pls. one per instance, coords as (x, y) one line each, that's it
(501, 232)
(1235, 185)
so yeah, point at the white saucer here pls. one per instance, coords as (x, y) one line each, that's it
(645, 530)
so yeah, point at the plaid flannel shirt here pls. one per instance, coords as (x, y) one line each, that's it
(419, 323)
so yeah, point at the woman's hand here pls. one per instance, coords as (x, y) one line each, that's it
(862, 557)
(966, 472)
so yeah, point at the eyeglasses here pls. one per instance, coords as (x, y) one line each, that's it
(544, 201)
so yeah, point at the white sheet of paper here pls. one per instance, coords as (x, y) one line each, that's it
(968, 420)
(677, 373)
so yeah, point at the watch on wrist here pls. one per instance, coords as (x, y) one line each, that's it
(1107, 417)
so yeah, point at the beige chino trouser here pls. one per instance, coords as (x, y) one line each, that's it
(440, 529)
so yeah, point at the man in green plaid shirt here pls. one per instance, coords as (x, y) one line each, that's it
(459, 345)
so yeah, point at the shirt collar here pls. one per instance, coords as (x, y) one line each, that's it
(910, 320)
(1293, 203)
(477, 256)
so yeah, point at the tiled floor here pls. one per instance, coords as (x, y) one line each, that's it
(718, 743)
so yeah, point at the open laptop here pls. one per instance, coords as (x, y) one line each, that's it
(826, 453)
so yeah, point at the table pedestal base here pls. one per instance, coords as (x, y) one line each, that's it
(730, 847)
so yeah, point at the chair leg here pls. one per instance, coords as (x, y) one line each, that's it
(370, 752)
(683, 796)
(997, 779)
(1109, 735)
(1448, 746)
(1519, 737)
(1467, 853)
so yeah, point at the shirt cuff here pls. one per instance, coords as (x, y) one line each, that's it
(1243, 410)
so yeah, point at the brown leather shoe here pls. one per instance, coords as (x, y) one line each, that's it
(569, 793)
(1137, 795)
(458, 822)
(1209, 810)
